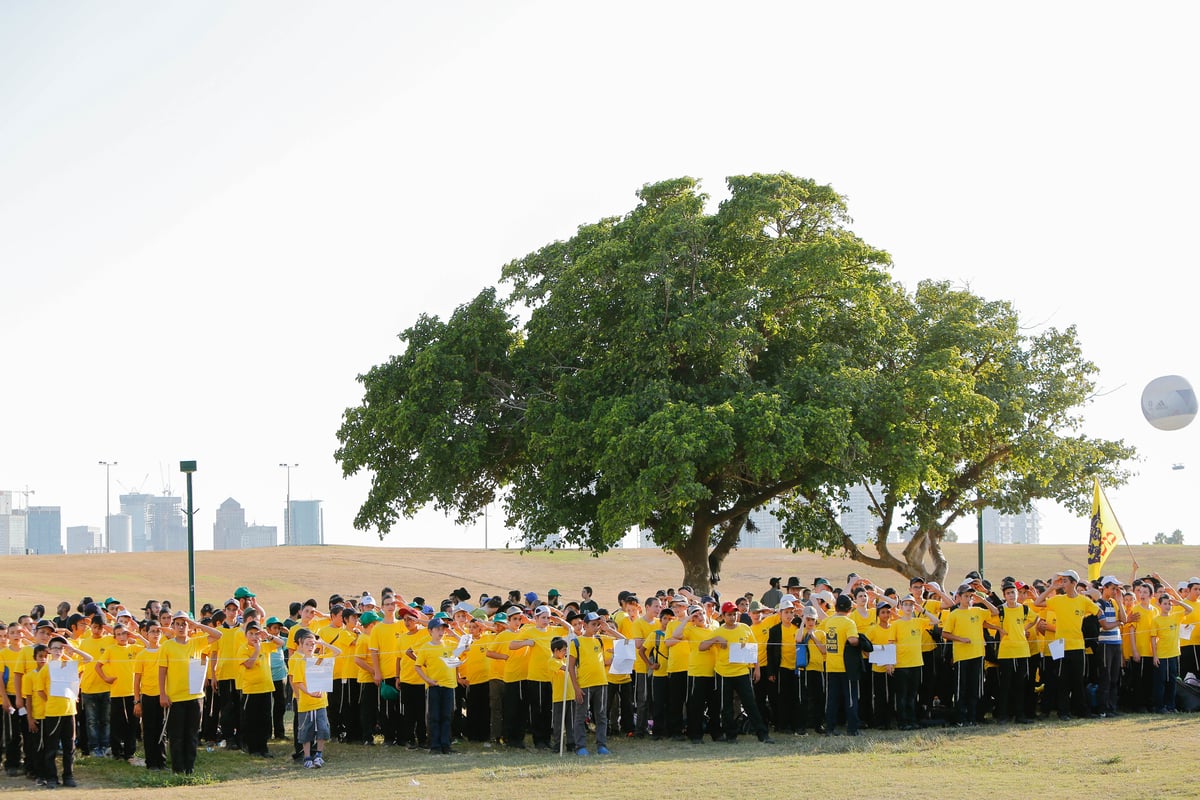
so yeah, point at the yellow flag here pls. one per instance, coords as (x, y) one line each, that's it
(1104, 532)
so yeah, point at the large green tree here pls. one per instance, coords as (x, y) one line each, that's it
(669, 370)
(964, 411)
(674, 369)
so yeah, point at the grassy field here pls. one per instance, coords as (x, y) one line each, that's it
(281, 575)
(1130, 756)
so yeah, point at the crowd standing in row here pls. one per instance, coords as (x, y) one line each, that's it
(528, 670)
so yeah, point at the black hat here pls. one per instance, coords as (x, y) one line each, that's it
(793, 582)
(461, 593)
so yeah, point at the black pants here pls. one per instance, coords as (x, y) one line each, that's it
(122, 726)
(841, 694)
(368, 710)
(812, 700)
(389, 713)
(701, 708)
(514, 714)
(337, 709)
(968, 685)
(676, 697)
(1072, 668)
(743, 688)
(57, 734)
(14, 727)
(659, 687)
(1010, 694)
(620, 707)
(478, 712)
(906, 683)
(787, 715)
(537, 700)
(183, 732)
(229, 705)
(412, 714)
(152, 732)
(279, 704)
(882, 700)
(255, 717)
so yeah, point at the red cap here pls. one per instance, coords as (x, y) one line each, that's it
(728, 608)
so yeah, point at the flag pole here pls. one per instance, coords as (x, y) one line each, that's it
(1120, 527)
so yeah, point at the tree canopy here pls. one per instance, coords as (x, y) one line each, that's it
(674, 369)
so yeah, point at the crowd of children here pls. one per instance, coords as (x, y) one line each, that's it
(566, 676)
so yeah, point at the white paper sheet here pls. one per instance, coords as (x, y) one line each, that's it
(318, 677)
(624, 654)
(463, 643)
(452, 663)
(1058, 649)
(1185, 632)
(197, 670)
(743, 653)
(883, 655)
(64, 679)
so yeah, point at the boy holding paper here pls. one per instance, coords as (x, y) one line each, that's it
(733, 674)
(312, 719)
(438, 668)
(58, 725)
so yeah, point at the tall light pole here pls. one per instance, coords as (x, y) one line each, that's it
(287, 509)
(108, 465)
(188, 467)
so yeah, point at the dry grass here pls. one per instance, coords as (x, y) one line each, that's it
(281, 575)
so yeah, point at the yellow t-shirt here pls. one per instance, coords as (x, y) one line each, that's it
(589, 660)
(256, 679)
(879, 635)
(1014, 643)
(516, 668)
(385, 638)
(1070, 611)
(38, 681)
(8, 661)
(701, 663)
(967, 623)
(738, 634)
(145, 664)
(408, 667)
(909, 644)
(343, 639)
(1166, 631)
(362, 651)
(229, 667)
(477, 667)
(1143, 628)
(296, 671)
(560, 690)
(89, 680)
(837, 630)
(429, 659)
(118, 663)
(176, 658)
(816, 656)
(762, 633)
(539, 656)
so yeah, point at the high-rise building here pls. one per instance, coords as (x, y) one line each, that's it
(120, 533)
(137, 506)
(230, 526)
(307, 522)
(859, 519)
(43, 535)
(1021, 528)
(164, 518)
(260, 536)
(85, 539)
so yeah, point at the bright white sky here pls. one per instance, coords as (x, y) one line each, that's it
(213, 216)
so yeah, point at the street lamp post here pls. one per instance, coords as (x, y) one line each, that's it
(287, 509)
(108, 465)
(188, 467)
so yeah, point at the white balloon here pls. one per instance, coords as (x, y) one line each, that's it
(1169, 403)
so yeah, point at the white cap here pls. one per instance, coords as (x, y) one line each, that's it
(367, 600)
(1109, 580)
(787, 601)
(824, 595)
(809, 611)
(1193, 580)
(1069, 573)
